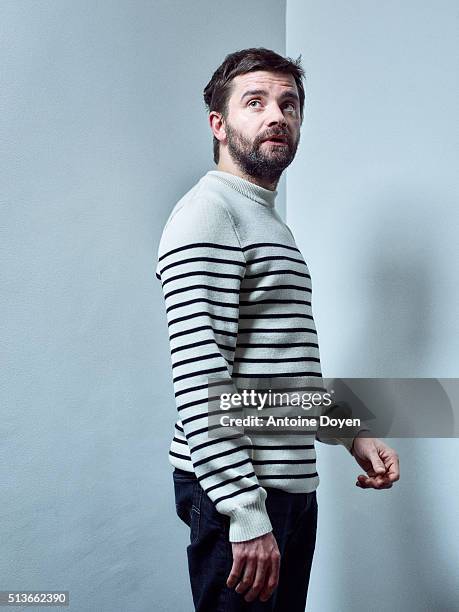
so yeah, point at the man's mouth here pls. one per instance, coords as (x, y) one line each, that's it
(277, 140)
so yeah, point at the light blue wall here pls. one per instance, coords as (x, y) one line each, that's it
(372, 199)
(103, 128)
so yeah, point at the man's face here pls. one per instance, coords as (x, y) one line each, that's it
(263, 105)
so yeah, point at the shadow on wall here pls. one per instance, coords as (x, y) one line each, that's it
(398, 319)
(400, 272)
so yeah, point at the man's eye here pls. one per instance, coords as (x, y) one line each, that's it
(291, 104)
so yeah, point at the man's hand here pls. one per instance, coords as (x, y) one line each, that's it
(255, 567)
(379, 461)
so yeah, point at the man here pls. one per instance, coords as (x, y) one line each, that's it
(238, 303)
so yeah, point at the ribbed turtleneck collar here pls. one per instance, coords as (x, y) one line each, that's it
(245, 187)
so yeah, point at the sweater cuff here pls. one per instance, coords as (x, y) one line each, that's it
(348, 442)
(250, 521)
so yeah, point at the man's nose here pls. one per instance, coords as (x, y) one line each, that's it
(275, 115)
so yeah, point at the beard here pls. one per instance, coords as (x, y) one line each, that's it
(258, 159)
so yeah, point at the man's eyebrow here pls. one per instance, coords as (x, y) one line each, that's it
(262, 92)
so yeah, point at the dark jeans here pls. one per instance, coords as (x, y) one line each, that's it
(210, 558)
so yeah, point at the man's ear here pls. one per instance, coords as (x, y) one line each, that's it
(217, 125)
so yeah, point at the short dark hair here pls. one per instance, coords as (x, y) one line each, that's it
(218, 90)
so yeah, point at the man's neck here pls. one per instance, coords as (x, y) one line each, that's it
(229, 166)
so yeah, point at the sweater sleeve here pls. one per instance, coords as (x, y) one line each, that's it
(201, 266)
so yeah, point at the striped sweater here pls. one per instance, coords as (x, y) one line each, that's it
(237, 295)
